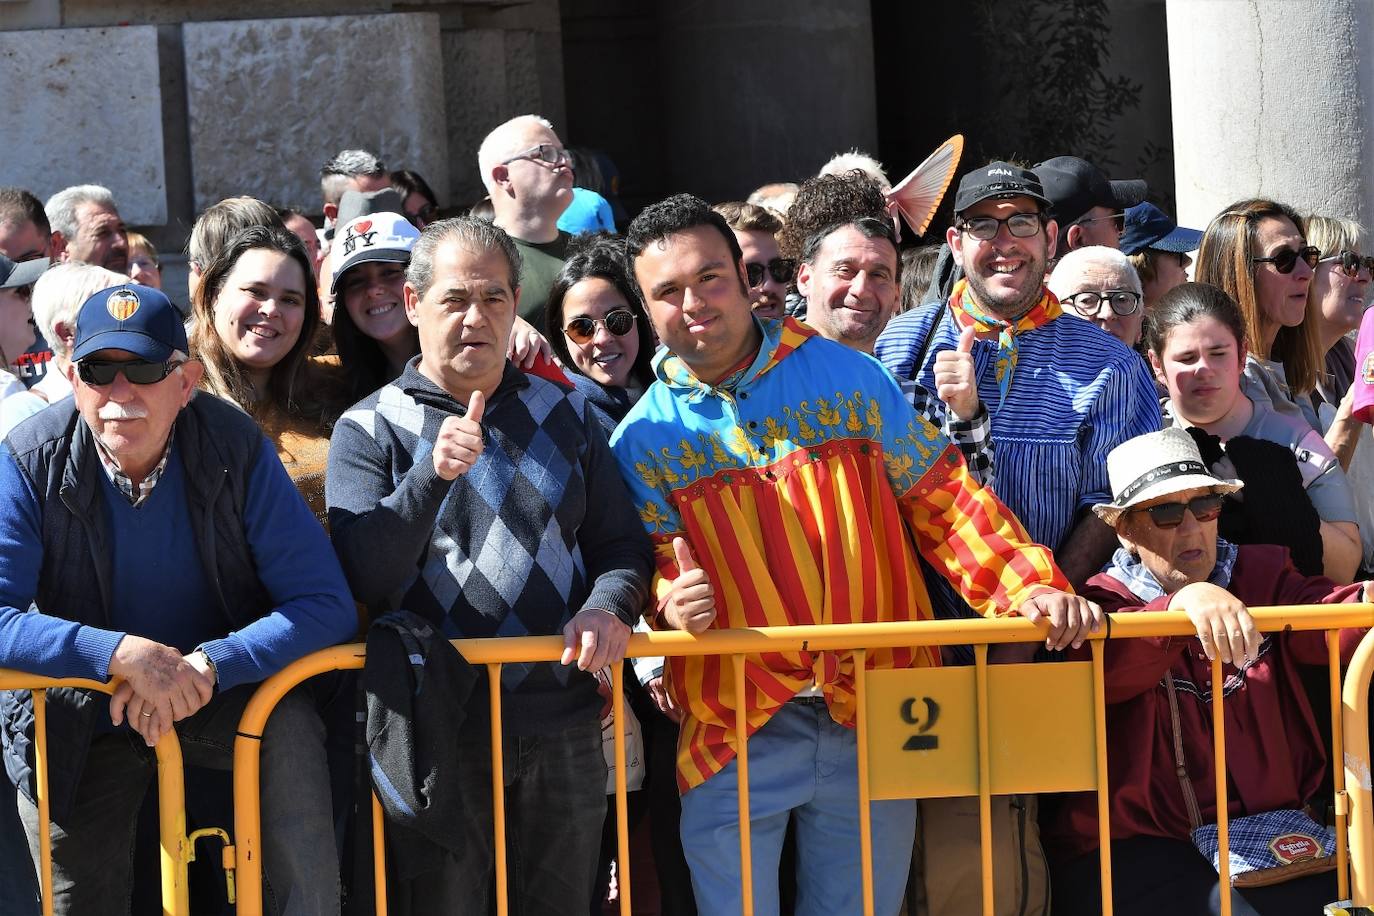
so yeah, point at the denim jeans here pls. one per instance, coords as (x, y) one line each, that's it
(92, 852)
(555, 806)
(18, 882)
(804, 766)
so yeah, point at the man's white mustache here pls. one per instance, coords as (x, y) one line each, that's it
(113, 411)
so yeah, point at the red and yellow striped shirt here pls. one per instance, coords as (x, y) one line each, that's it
(805, 490)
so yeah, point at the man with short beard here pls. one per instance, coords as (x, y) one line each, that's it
(1062, 393)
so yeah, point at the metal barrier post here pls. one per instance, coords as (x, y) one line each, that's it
(1333, 670)
(498, 788)
(1219, 755)
(746, 850)
(1355, 709)
(1104, 825)
(980, 658)
(622, 814)
(865, 814)
(40, 761)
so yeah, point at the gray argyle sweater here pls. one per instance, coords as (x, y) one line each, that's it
(538, 529)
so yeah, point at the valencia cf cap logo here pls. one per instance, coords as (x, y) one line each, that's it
(122, 304)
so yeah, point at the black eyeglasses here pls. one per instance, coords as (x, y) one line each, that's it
(544, 152)
(1351, 263)
(137, 371)
(1170, 515)
(582, 329)
(1285, 259)
(985, 228)
(1118, 220)
(780, 269)
(1122, 301)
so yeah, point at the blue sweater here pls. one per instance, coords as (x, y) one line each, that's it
(312, 607)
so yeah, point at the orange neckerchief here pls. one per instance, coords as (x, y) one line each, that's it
(966, 312)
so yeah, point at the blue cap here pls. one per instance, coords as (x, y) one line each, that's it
(137, 319)
(1147, 226)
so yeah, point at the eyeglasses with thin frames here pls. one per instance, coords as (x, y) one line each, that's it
(1118, 220)
(582, 329)
(546, 153)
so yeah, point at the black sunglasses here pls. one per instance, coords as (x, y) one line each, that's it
(1170, 515)
(137, 371)
(1285, 259)
(582, 329)
(780, 269)
(1352, 262)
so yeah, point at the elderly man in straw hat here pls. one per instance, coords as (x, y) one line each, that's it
(1164, 509)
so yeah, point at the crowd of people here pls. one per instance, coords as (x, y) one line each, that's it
(772, 412)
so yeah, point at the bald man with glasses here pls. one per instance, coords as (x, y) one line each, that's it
(529, 178)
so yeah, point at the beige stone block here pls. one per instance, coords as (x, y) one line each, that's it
(270, 100)
(72, 123)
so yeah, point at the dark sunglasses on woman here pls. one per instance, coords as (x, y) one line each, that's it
(1170, 515)
(1285, 259)
(582, 329)
(1351, 262)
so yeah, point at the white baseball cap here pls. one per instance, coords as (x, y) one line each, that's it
(372, 237)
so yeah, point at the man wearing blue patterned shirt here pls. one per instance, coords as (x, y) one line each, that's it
(1061, 392)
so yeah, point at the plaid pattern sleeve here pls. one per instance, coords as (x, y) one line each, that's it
(972, 437)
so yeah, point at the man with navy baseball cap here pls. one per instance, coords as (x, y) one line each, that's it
(140, 487)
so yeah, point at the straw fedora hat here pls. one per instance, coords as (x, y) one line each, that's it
(1153, 465)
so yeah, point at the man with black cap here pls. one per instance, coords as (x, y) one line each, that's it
(138, 486)
(1088, 206)
(1062, 393)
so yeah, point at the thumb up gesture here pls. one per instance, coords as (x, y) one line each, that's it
(460, 440)
(691, 604)
(955, 383)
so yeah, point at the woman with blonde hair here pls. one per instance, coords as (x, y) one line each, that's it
(1336, 303)
(1256, 252)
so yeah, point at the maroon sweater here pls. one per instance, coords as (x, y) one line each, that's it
(1275, 758)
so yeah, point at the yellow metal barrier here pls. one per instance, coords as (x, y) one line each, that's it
(177, 849)
(1354, 792)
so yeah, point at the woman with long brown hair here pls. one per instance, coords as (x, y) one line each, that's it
(256, 312)
(1256, 252)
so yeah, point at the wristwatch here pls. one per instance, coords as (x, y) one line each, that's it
(209, 663)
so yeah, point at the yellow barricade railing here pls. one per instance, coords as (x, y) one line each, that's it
(177, 848)
(1354, 804)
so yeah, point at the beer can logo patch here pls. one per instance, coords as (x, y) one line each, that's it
(1295, 847)
(122, 304)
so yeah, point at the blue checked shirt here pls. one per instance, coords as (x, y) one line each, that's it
(1077, 393)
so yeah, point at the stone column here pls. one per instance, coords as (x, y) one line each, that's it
(1269, 100)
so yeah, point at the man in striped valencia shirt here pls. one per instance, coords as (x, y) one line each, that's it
(784, 481)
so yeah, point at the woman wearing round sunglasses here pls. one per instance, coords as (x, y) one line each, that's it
(1296, 493)
(256, 312)
(1165, 510)
(1340, 291)
(606, 341)
(1255, 250)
